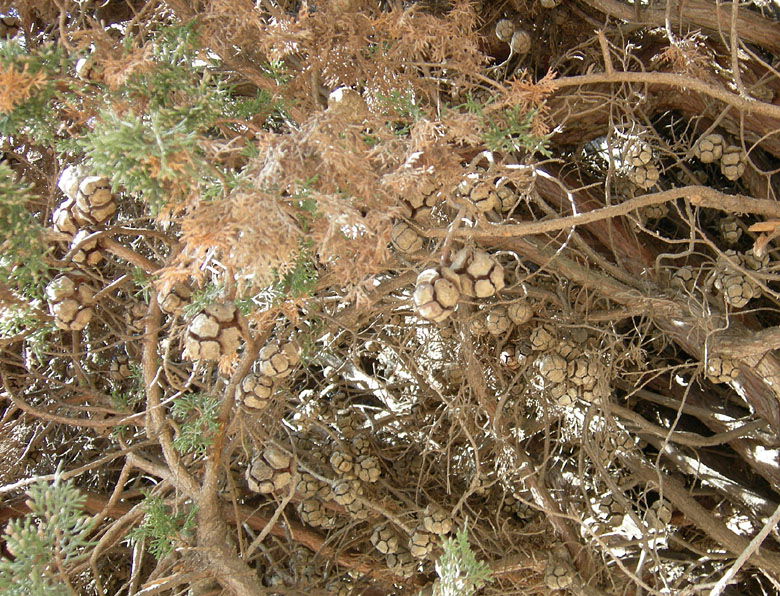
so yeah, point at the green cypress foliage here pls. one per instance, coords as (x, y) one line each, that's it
(162, 527)
(23, 245)
(460, 574)
(198, 415)
(157, 152)
(46, 542)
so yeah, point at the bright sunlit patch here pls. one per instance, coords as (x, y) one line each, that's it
(740, 524)
(766, 456)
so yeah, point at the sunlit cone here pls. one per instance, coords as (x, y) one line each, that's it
(730, 230)
(278, 360)
(367, 468)
(737, 289)
(174, 300)
(405, 239)
(345, 492)
(86, 253)
(520, 312)
(520, 42)
(341, 462)
(721, 370)
(558, 575)
(481, 275)
(213, 333)
(552, 367)
(504, 29)
(385, 540)
(436, 293)
(543, 338)
(644, 176)
(584, 372)
(421, 543)
(497, 321)
(436, 520)
(254, 391)
(638, 153)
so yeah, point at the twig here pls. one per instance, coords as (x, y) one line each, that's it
(22, 404)
(713, 199)
(451, 230)
(170, 582)
(734, 43)
(115, 494)
(745, 346)
(136, 564)
(156, 427)
(128, 255)
(605, 52)
(686, 438)
(557, 520)
(751, 26)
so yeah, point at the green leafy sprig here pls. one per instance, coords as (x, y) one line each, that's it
(162, 528)
(460, 574)
(46, 542)
(198, 415)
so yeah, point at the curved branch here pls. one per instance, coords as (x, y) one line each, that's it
(744, 104)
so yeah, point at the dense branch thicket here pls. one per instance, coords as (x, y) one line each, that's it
(366, 297)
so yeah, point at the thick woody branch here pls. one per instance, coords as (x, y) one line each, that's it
(703, 519)
(712, 16)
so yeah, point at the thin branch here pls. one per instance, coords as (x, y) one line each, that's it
(22, 404)
(9, 488)
(564, 223)
(688, 438)
(745, 104)
(128, 255)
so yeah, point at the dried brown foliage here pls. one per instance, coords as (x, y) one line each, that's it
(605, 423)
(17, 86)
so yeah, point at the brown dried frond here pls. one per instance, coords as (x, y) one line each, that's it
(334, 151)
(118, 69)
(352, 242)
(463, 128)
(526, 93)
(353, 172)
(17, 86)
(167, 277)
(251, 231)
(44, 10)
(689, 56)
(180, 162)
(227, 364)
(353, 46)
